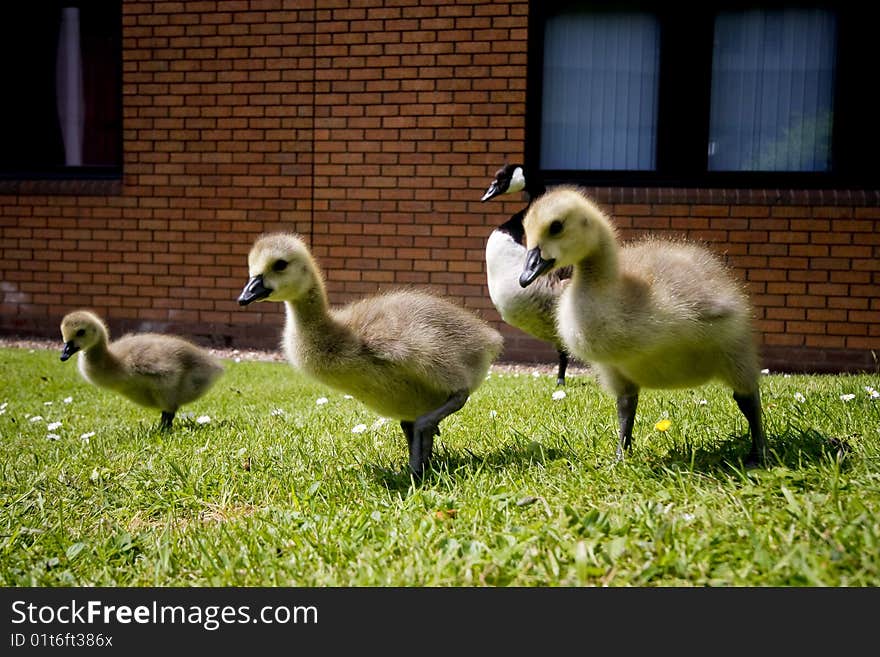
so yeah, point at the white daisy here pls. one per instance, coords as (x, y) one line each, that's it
(559, 394)
(702, 402)
(765, 371)
(36, 418)
(320, 401)
(86, 436)
(493, 413)
(379, 423)
(536, 374)
(203, 419)
(799, 397)
(276, 411)
(347, 397)
(53, 425)
(847, 397)
(359, 428)
(52, 436)
(67, 400)
(47, 403)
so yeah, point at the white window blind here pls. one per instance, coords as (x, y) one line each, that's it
(772, 91)
(600, 81)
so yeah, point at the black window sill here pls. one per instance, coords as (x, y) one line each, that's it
(62, 187)
(732, 196)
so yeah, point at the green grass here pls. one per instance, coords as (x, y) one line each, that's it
(524, 489)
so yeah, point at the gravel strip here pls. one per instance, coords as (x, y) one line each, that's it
(548, 369)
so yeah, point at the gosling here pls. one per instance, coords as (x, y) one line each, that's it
(408, 355)
(532, 310)
(652, 314)
(150, 369)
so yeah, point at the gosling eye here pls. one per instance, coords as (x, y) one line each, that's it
(555, 227)
(80, 333)
(279, 265)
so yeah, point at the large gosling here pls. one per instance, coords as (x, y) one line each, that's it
(651, 314)
(407, 354)
(150, 369)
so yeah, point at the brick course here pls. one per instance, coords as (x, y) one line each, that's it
(372, 128)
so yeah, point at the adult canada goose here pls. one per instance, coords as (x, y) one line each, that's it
(406, 354)
(150, 369)
(532, 310)
(651, 314)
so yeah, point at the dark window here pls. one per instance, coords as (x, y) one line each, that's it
(61, 105)
(720, 95)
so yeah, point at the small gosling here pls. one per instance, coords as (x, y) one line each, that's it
(406, 354)
(150, 369)
(651, 314)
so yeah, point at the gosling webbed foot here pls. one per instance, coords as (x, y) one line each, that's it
(754, 459)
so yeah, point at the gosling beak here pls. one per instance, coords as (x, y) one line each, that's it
(253, 291)
(493, 191)
(69, 350)
(534, 266)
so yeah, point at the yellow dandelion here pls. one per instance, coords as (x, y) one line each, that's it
(663, 424)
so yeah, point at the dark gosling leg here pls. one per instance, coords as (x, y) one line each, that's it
(563, 365)
(414, 449)
(167, 418)
(626, 417)
(426, 427)
(750, 405)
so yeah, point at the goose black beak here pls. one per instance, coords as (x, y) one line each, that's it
(69, 350)
(253, 291)
(493, 191)
(534, 266)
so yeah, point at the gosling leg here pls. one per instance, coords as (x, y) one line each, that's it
(750, 405)
(407, 427)
(626, 417)
(426, 427)
(563, 365)
(167, 418)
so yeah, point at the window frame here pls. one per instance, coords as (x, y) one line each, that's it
(685, 69)
(108, 172)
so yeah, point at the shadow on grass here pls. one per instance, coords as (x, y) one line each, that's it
(445, 464)
(791, 449)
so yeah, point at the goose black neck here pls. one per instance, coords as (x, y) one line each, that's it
(514, 227)
(534, 186)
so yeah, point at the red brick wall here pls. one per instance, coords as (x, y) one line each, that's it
(372, 128)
